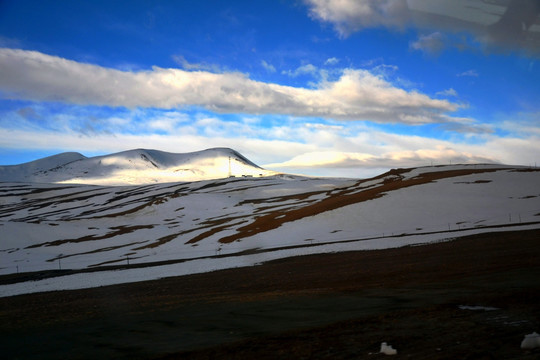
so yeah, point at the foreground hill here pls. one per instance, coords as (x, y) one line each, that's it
(99, 235)
(472, 298)
(135, 167)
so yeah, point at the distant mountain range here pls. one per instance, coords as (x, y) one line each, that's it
(134, 167)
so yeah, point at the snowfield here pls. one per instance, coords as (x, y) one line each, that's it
(169, 229)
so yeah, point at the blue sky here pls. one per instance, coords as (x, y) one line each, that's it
(319, 87)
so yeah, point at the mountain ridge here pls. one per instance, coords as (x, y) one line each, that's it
(134, 167)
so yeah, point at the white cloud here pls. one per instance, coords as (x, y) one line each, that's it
(307, 69)
(353, 15)
(432, 44)
(526, 125)
(181, 60)
(268, 67)
(186, 65)
(384, 70)
(324, 127)
(448, 92)
(331, 61)
(408, 151)
(471, 73)
(374, 149)
(355, 95)
(325, 159)
(344, 160)
(168, 125)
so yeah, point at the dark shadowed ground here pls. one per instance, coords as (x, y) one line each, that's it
(338, 306)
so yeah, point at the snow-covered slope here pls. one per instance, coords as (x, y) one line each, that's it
(161, 230)
(32, 170)
(133, 167)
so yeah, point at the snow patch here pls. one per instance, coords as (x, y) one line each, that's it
(531, 341)
(387, 349)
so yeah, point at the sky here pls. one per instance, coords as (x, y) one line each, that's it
(317, 87)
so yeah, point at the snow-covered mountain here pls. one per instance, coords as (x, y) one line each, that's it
(169, 229)
(134, 167)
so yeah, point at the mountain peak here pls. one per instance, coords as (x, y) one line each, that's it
(137, 166)
(57, 160)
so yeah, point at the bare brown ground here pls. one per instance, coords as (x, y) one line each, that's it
(333, 306)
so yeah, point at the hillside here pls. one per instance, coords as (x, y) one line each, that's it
(110, 235)
(133, 167)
